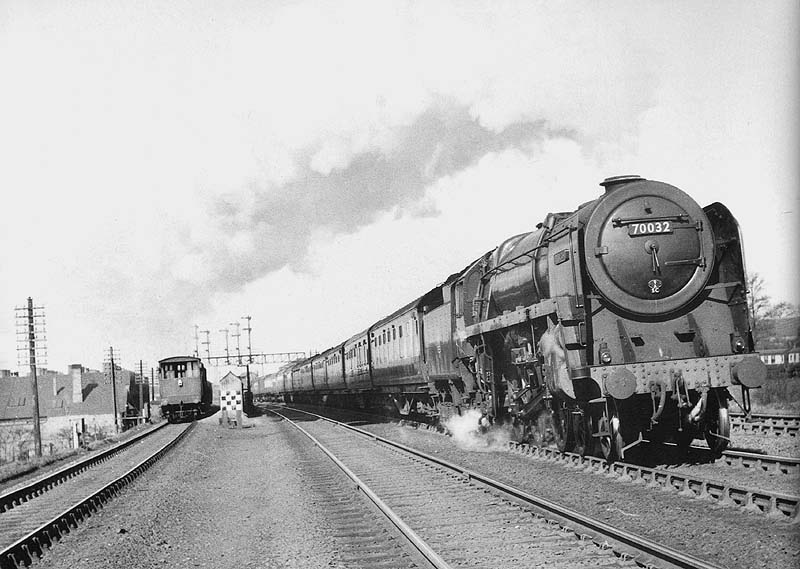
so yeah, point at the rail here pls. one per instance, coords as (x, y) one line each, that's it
(651, 550)
(23, 551)
(24, 493)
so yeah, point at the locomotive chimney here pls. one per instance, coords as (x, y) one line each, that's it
(615, 182)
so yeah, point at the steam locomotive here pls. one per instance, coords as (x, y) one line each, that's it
(184, 390)
(623, 321)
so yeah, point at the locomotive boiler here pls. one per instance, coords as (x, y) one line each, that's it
(623, 321)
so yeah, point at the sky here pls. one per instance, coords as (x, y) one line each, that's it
(316, 165)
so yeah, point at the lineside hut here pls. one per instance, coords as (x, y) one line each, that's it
(230, 400)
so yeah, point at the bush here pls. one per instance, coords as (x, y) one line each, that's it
(15, 470)
(777, 395)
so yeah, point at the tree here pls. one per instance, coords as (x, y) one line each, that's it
(758, 301)
(782, 310)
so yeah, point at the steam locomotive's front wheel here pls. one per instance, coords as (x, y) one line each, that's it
(611, 443)
(718, 429)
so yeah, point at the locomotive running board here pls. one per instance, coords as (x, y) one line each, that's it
(562, 306)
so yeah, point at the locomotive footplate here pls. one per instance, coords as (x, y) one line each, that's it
(622, 381)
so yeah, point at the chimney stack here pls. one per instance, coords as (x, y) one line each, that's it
(76, 373)
(614, 182)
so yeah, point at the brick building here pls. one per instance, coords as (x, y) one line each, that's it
(80, 396)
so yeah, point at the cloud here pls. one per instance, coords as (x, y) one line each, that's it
(180, 155)
(266, 227)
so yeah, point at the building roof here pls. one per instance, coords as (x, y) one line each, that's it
(231, 379)
(16, 396)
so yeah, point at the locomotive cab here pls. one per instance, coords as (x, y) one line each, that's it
(185, 392)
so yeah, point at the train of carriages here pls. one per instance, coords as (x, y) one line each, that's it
(622, 321)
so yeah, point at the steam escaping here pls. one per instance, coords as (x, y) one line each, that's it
(471, 433)
(268, 226)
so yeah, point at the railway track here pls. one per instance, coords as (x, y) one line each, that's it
(735, 458)
(766, 424)
(457, 517)
(778, 505)
(765, 462)
(36, 515)
(755, 461)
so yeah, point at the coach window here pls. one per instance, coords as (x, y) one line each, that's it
(394, 333)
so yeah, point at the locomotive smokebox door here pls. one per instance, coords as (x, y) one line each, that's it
(649, 247)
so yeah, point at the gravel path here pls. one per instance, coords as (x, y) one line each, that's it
(779, 445)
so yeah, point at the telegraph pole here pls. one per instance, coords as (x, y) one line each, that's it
(151, 397)
(114, 387)
(249, 352)
(37, 432)
(141, 390)
(152, 385)
(249, 345)
(196, 341)
(207, 344)
(227, 352)
(27, 330)
(236, 335)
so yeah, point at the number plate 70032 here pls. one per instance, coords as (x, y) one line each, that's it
(650, 228)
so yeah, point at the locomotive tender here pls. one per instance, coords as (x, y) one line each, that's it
(185, 391)
(621, 321)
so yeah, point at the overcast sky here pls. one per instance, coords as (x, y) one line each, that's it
(315, 165)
